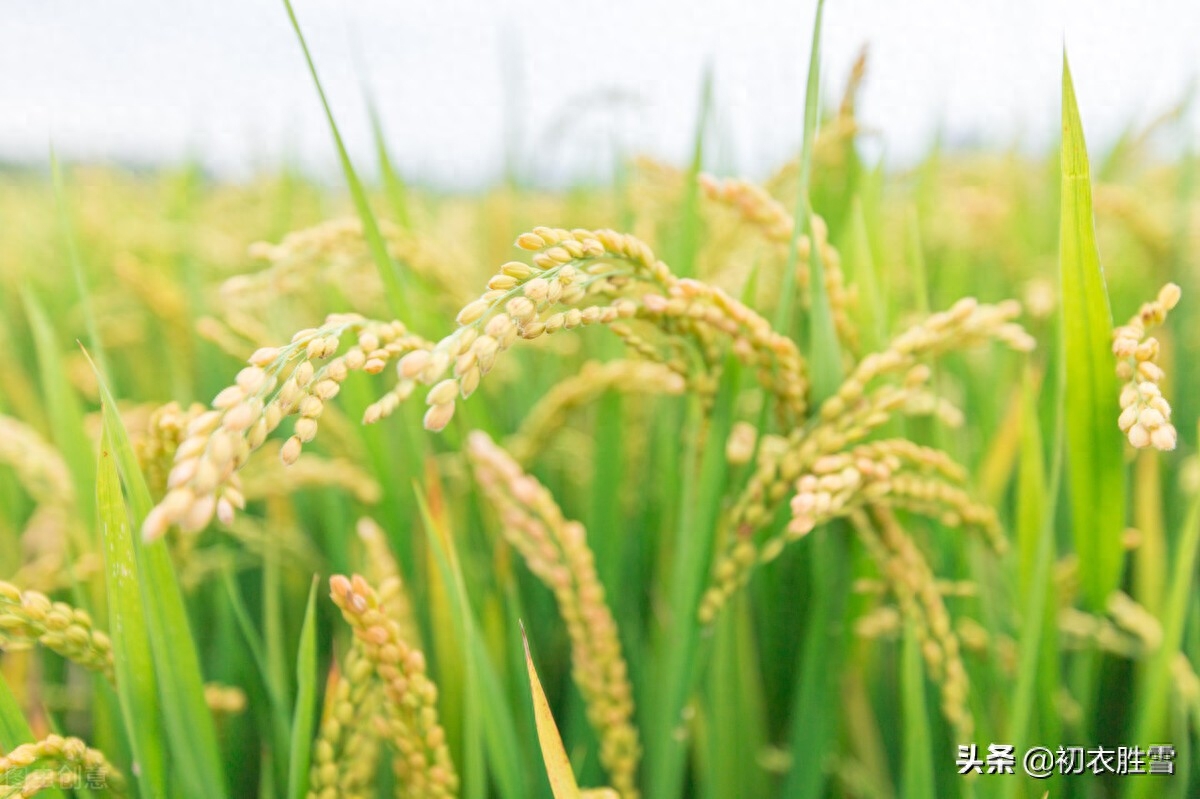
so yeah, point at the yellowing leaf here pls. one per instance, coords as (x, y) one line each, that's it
(558, 766)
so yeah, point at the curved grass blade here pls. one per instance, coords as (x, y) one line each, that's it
(860, 264)
(1095, 468)
(14, 729)
(737, 732)
(687, 235)
(813, 727)
(814, 724)
(389, 270)
(258, 654)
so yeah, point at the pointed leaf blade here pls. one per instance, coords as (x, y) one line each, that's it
(1095, 468)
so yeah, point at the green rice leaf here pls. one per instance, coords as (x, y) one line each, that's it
(823, 346)
(258, 653)
(486, 725)
(861, 268)
(389, 271)
(304, 717)
(1095, 468)
(14, 729)
(133, 658)
(499, 728)
(824, 349)
(190, 734)
(918, 744)
(814, 727)
(1036, 510)
(687, 234)
(736, 732)
(275, 650)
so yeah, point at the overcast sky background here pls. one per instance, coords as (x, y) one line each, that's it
(224, 80)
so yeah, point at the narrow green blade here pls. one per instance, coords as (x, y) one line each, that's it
(389, 270)
(133, 658)
(304, 718)
(918, 746)
(190, 733)
(1095, 468)
(1036, 505)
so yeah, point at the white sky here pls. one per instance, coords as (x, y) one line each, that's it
(224, 80)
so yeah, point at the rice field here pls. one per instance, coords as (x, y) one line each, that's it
(853, 481)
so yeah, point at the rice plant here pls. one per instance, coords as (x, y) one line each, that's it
(841, 483)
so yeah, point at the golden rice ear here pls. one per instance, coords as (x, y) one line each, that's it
(346, 751)
(382, 570)
(582, 278)
(58, 762)
(335, 255)
(1145, 414)
(911, 580)
(297, 379)
(409, 720)
(30, 617)
(827, 472)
